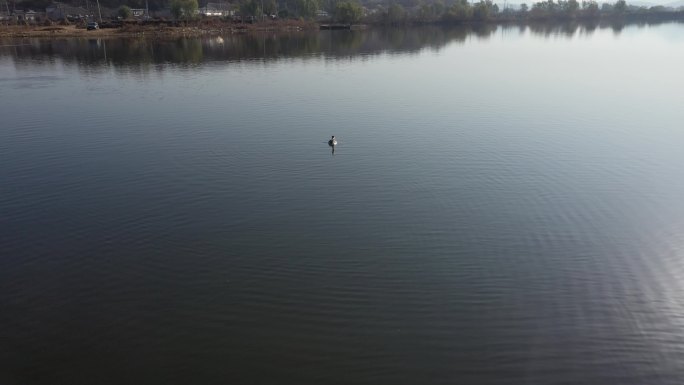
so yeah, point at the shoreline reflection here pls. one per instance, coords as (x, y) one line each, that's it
(142, 55)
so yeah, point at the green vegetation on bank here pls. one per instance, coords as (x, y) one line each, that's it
(397, 12)
(386, 12)
(463, 11)
(124, 12)
(184, 9)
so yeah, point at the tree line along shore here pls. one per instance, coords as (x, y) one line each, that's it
(186, 17)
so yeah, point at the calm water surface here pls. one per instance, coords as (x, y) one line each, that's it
(504, 207)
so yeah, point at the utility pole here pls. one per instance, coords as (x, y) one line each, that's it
(98, 11)
(13, 12)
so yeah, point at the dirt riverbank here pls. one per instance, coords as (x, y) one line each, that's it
(159, 30)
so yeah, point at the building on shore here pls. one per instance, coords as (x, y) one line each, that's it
(217, 9)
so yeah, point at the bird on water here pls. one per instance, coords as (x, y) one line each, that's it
(332, 141)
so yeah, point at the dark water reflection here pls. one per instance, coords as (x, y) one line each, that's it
(144, 53)
(127, 52)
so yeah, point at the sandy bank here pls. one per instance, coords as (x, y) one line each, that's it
(154, 30)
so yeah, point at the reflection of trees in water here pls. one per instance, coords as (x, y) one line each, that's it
(573, 27)
(484, 31)
(187, 51)
(144, 55)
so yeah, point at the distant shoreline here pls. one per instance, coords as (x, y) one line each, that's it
(202, 28)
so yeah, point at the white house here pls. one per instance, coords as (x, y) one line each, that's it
(217, 9)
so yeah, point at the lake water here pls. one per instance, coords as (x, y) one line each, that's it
(505, 206)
